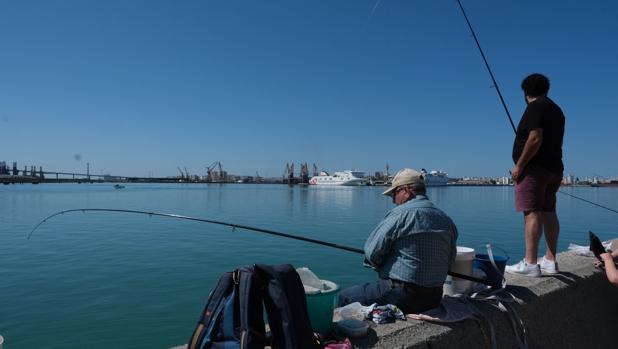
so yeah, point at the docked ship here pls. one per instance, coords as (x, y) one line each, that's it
(435, 178)
(349, 178)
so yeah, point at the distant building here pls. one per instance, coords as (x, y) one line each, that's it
(4, 170)
(568, 180)
(504, 180)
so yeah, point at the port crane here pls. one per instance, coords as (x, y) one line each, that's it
(210, 173)
(304, 173)
(288, 175)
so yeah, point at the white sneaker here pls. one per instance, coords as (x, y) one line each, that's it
(523, 268)
(548, 266)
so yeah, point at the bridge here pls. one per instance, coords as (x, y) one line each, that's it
(36, 177)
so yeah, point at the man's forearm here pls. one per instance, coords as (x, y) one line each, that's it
(532, 146)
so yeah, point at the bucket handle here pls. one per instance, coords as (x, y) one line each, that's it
(493, 262)
(501, 250)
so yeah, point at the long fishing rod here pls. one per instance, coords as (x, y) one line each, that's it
(234, 227)
(508, 114)
(495, 84)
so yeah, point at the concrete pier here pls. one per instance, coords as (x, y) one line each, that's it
(576, 308)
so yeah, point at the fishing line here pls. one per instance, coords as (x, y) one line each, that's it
(508, 114)
(234, 227)
(590, 202)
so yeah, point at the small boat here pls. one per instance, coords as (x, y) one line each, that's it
(118, 186)
(348, 178)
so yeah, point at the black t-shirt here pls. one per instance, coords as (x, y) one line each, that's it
(542, 113)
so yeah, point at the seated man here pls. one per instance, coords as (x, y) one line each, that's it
(412, 250)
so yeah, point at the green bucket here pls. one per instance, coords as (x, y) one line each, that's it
(320, 306)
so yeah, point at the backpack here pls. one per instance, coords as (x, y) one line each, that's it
(286, 306)
(234, 315)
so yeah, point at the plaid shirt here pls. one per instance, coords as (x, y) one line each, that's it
(415, 242)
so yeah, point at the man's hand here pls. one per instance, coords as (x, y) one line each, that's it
(367, 264)
(516, 173)
(604, 259)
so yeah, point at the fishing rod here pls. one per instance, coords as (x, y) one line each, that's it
(508, 114)
(234, 227)
(495, 84)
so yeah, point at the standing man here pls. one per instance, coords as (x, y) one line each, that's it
(537, 153)
(412, 249)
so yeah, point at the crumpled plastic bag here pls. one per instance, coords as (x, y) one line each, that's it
(353, 311)
(585, 250)
(380, 314)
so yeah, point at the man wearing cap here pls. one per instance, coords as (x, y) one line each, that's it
(412, 250)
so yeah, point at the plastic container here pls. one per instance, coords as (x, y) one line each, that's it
(494, 277)
(463, 265)
(321, 298)
(1, 342)
(351, 328)
(320, 306)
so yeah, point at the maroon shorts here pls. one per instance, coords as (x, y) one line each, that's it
(536, 190)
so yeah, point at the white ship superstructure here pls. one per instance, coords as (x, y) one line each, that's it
(435, 178)
(350, 178)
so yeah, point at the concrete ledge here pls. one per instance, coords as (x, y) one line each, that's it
(574, 309)
(577, 308)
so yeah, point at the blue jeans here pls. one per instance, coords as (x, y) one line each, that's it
(409, 298)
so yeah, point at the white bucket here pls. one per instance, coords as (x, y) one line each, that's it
(462, 265)
(1, 342)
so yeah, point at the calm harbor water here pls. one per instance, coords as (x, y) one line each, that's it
(115, 280)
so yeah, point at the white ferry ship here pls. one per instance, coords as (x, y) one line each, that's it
(350, 178)
(435, 178)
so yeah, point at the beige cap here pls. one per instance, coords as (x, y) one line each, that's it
(405, 177)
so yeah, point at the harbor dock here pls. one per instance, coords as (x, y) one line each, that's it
(573, 309)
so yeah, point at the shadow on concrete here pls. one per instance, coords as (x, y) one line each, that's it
(566, 277)
(368, 341)
(522, 292)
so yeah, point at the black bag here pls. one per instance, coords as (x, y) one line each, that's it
(233, 316)
(286, 306)
(234, 313)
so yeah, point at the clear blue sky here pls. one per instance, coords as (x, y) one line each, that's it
(141, 87)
